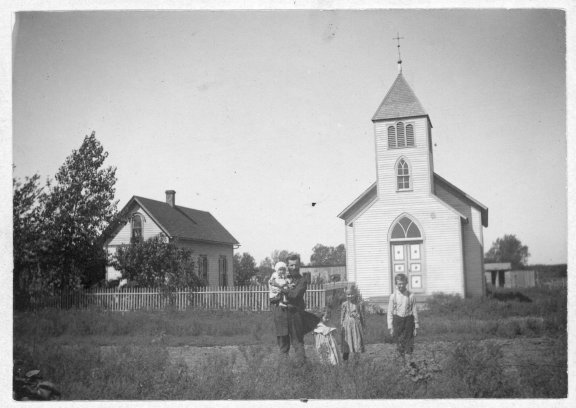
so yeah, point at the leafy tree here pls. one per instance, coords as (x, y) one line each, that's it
(156, 263)
(78, 208)
(28, 243)
(281, 255)
(328, 256)
(508, 249)
(244, 268)
(264, 271)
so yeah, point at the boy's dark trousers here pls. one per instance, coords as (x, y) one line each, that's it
(403, 333)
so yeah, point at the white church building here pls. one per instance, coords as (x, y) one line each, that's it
(411, 220)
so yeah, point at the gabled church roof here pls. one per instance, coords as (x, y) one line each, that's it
(372, 193)
(464, 196)
(399, 102)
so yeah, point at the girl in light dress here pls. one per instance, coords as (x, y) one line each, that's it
(352, 322)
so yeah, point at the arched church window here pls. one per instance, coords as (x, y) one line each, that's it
(403, 175)
(391, 137)
(400, 132)
(409, 135)
(136, 228)
(405, 229)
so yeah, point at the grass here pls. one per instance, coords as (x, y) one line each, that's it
(447, 318)
(64, 345)
(142, 373)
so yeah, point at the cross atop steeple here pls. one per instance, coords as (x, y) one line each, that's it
(398, 38)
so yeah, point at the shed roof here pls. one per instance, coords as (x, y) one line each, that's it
(399, 102)
(498, 266)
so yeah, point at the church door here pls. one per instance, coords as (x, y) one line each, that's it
(406, 247)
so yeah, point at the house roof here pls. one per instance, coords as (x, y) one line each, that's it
(399, 102)
(467, 198)
(182, 222)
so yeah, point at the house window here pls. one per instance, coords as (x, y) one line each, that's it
(136, 229)
(400, 136)
(403, 175)
(222, 271)
(203, 267)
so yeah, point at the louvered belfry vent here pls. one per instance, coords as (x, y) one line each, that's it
(391, 137)
(400, 135)
(409, 135)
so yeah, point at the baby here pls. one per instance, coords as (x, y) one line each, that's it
(279, 280)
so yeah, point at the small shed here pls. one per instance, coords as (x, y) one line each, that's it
(501, 275)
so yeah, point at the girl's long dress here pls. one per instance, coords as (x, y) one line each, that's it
(352, 332)
(326, 344)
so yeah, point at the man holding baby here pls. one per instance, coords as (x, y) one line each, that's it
(291, 320)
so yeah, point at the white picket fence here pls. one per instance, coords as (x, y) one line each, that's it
(253, 298)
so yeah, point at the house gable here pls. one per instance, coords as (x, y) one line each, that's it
(123, 232)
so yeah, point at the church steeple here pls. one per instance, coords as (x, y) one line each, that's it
(399, 102)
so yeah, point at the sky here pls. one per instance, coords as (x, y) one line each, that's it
(255, 115)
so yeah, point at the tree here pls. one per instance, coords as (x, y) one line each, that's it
(156, 263)
(28, 243)
(265, 269)
(244, 268)
(328, 256)
(508, 249)
(281, 256)
(78, 208)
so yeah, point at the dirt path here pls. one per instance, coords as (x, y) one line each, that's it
(519, 351)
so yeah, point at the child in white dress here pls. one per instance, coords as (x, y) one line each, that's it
(277, 281)
(325, 342)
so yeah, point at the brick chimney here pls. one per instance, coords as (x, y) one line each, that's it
(171, 197)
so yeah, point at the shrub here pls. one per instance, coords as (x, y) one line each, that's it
(477, 367)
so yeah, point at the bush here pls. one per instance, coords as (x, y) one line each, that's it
(478, 369)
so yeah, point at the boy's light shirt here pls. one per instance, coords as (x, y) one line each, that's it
(402, 305)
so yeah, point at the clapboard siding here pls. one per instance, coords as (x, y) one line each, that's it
(417, 157)
(213, 253)
(472, 241)
(442, 248)
(149, 229)
(350, 253)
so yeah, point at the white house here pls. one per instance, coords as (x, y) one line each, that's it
(144, 218)
(411, 220)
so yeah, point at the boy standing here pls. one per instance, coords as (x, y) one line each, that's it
(403, 317)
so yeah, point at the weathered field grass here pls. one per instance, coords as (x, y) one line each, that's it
(65, 346)
(471, 370)
(447, 318)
